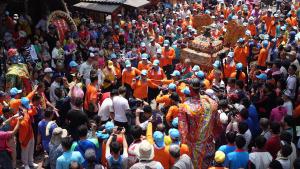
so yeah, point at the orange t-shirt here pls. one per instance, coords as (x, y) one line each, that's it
(157, 76)
(142, 66)
(268, 20)
(90, 95)
(228, 69)
(165, 99)
(163, 156)
(140, 88)
(262, 57)
(241, 54)
(118, 70)
(15, 104)
(127, 75)
(160, 40)
(168, 56)
(292, 21)
(272, 29)
(252, 29)
(172, 113)
(242, 76)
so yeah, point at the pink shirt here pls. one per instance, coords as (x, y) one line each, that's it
(4, 136)
(277, 114)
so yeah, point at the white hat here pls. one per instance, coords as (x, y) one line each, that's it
(145, 151)
(48, 70)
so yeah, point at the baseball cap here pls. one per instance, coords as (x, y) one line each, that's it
(25, 102)
(73, 64)
(186, 91)
(48, 70)
(109, 126)
(166, 43)
(174, 133)
(265, 43)
(241, 40)
(14, 91)
(196, 68)
(219, 157)
(172, 86)
(159, 138)
(175, 73)
(144, 72)
(230, 54)
(175, 122)
(155, 62)
(239, 66)
(217, 64)
(159, 51)
(113, 56)
(200, 74)
(127, 63)
(262, 76)
(143, 44)
(145, 56)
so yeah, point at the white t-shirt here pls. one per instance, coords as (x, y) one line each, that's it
(291, 84)
(289, 107)
(105, 109)
(261, 160)
(120, 105)
(85, 70)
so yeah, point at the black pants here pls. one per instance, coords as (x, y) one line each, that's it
(152, 93)
(129, 91)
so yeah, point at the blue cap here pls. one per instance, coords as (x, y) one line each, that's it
(143, 44)
(159, 138)
(217, 64)
(200, 74)
(166, 43)
(241, 40)
(262, 76)
(172, 86)
(174, 133)
(239, 66)
(14, 91)
(230, 54)
(144, 56)
(265, 43)
(155, 62)
(186, 91)
(175, 73)
(73, 64)
(144, 72)
(175, 122)
(109, 126)
(127, 63)
(196, 68)
(25, 102)
(113, 56)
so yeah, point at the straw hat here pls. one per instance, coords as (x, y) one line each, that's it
(145, 151)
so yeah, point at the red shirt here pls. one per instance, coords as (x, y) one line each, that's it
(273, 145)
(4, 137)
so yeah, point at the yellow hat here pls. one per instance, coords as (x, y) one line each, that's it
(219, 157)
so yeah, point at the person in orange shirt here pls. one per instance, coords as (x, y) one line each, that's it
(117, 67)
(91, 97)
(238, 74)
(173, 110)
(229, 65)
(164, 97)
(216, 66)
(251, 26)
(161, 152)
(158, 39)
(268, 18)
(168, 55)
(15, 101)
(238, 6)
(26, 135)
(241, 52)
(128, 74)
(140, 86)
(201, 76)
(156, 74)
(144, 64)
(263, 55)
(291, 20)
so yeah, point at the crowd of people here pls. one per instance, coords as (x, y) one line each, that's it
(118, 95)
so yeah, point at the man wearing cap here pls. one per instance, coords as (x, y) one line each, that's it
(241, 52)
(152, 47)
(140, 86)
(229, 65)
(144, 64)
(128, 74)
(251, 26)
(15, 101)
(268, 18)
(157, 74)
(168, 54)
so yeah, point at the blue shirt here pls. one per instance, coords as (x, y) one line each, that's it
(83, 145)
(42, 131)
(65, 160)
(226, 149)
(254, 116)
(237, 159)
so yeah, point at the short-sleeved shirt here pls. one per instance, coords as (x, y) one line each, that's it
(120, 105)
(42, 131)
(105, 109)
(237, 159)
(65, 160)
(90, 95)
